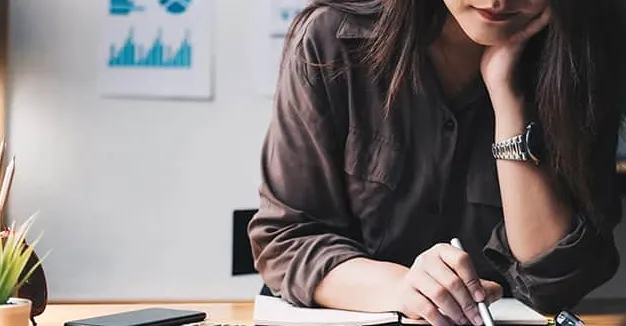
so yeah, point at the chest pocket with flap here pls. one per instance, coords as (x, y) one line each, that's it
(374, 166)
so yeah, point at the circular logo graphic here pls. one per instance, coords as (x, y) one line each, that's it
(175, 6)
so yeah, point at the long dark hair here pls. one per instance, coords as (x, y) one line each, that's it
(571, 76)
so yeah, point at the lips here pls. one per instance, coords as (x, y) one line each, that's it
(496, 16)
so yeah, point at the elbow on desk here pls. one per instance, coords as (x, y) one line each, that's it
(551, 298)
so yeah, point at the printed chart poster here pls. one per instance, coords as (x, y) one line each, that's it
(157, 48)
(280, 15)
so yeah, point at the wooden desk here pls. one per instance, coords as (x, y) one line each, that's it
(595, 312)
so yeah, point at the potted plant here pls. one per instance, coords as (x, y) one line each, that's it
(14, 272)
(23, 288)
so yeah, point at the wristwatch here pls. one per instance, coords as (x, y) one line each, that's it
(525, 147)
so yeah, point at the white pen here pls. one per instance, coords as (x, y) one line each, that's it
(482, 307)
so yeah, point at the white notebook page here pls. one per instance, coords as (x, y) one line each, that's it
(506, 311)
(276, 312)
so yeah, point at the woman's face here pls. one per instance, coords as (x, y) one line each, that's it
(488, 22)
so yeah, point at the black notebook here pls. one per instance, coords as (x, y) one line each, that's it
(143, 317)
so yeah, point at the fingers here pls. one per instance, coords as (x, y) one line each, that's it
(457, 289)
(459, 261)
(418, 306)
(535, 25)
(444, 288)
(494, 291)
(438, 294)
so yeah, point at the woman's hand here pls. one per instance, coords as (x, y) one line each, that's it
(499, 61)
(443, 288)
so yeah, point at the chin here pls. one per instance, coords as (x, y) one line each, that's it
(485, 34)
(486, 38)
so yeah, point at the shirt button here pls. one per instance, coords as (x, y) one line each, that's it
(448, 125)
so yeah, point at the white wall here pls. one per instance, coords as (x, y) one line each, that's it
(115, 178)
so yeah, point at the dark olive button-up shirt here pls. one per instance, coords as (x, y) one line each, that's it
(343, 179)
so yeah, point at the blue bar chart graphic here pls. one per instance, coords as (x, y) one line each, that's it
(159, 55)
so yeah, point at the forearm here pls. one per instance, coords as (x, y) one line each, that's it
(535, 218)
(361, 284)
(549, 261)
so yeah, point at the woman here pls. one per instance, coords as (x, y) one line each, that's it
(390, 137)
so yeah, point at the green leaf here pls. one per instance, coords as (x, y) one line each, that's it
(14, 257)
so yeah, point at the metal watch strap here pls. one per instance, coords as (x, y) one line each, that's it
(511, 149)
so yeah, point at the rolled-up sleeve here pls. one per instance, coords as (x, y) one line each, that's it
(580, 262)
(557, 280)
(303, 228)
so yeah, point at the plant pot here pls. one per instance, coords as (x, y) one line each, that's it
(16, 312)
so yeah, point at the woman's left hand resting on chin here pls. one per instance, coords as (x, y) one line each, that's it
(498, 67)
(499, 61)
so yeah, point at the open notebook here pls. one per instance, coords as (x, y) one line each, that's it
(270, 311)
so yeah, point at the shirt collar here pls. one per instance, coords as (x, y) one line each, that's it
(353, 27)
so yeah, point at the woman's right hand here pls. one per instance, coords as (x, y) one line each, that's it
(443, 288)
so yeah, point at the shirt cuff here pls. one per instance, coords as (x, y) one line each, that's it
(313, 263)
(547, 274)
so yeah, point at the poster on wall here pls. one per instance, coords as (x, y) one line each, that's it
(157, 49)
(279, 16)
